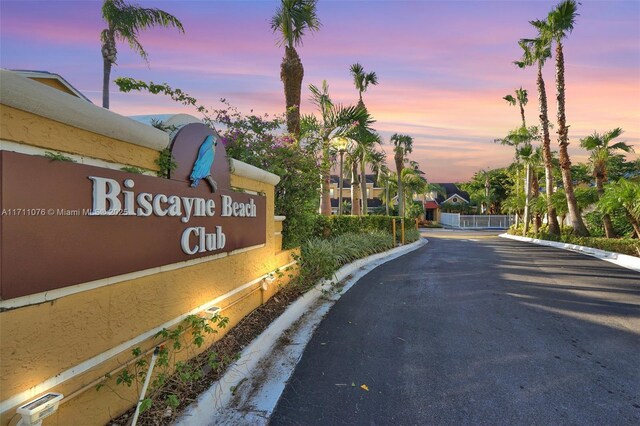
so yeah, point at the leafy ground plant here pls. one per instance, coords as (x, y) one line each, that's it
(171, 375)
(58, 156)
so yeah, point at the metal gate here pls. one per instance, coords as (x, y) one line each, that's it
(473, 221)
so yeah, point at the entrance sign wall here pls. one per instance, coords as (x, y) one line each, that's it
(94, 261)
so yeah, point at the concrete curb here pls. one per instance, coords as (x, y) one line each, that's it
(255, 367)
(626, 261)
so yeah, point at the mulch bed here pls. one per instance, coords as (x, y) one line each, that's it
(228, 349)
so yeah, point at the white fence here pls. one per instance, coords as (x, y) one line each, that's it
(456, 220)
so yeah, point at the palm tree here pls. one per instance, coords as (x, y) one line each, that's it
(517, 137)
(367, 142)
(559, 23)
(403, 144)
(341, 145)
(536, 52)
(521, 99)
(292, 19)
(527, 154)
(625, 194)
(336, 121)
(601, 153)
(124, 23)
(413, 183)
(362, 80)
(384, 179)
(536, 161)
(352, 163)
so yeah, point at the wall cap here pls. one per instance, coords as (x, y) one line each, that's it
(37, 98)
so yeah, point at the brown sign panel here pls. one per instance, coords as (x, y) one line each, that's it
(55, 233)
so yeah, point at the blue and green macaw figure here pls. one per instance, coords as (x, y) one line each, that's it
(202, 166)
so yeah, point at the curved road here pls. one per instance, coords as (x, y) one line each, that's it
(475, 329)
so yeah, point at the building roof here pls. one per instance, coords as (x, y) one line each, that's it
(430, 205)
(46, 75)
(451, 189)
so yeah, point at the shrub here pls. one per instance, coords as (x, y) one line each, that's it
(411, 235)
(320, 258)
(627, 246)
(333, 226)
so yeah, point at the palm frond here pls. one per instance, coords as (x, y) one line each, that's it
(510, 99)
(562, 18)
(622, 146)
(125, 21)
(293, 18)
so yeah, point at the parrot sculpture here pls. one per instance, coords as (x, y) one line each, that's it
(202, 166)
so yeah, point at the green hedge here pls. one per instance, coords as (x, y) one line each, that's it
(628, 246)
(322, 257)
(333, 226)
(618, 245)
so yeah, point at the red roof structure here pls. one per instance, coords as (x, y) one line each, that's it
(430, 205)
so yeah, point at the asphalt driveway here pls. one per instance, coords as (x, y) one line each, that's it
(474, 329)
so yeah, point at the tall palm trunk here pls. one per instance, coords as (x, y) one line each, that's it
(535, 193)
(291, 74)
(527, 199)
(109, 54)
(355, 189)
(527, 183)
(517, 192)
(606, 219)
(340, 182)
(386, 192)
(634, 223)
(552, 217)
(363, 183)
(325, 198)
(563, 140)
(399, 166)
(106, 76)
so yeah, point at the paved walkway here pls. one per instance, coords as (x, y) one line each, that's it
(474, 329)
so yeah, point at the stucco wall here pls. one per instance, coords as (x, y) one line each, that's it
(67, 344)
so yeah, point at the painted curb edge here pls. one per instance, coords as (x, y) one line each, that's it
(220, 393)
(624, 260)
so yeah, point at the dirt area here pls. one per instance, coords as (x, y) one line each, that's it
(227, 349)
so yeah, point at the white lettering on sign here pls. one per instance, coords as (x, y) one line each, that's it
(233, 208)
(109, 199)
(206, 242)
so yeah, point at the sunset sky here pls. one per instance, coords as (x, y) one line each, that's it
(443, 66)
